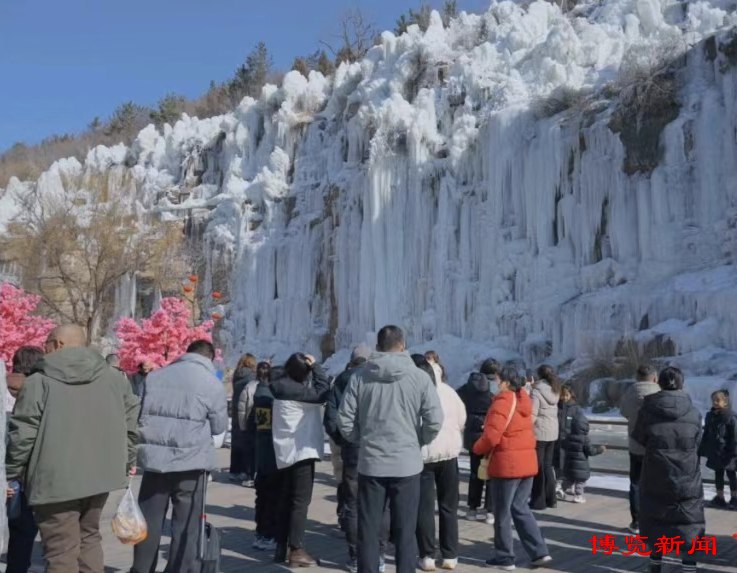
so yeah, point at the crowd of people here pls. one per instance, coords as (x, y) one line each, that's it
(396, 428)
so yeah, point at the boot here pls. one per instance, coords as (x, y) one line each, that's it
(300, 558)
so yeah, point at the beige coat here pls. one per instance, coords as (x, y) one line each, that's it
(449, 441)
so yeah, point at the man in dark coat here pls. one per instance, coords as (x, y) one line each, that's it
(476, 397)
(671, 491)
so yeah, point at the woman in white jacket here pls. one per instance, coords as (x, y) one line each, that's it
(439, 480)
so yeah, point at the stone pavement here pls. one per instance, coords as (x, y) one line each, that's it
(568, 530)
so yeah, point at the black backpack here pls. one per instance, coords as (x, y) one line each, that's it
(208, 553)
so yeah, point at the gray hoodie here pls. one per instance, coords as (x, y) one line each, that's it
(545, 411)
(390, 409)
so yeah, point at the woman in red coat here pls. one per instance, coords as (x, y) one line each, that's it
(510, 440)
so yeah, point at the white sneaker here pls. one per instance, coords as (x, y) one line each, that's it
(426, 564)
(540, 561)
(490, 518)
(449, 564)
(579, 499)
(257, 542)
(268, 544)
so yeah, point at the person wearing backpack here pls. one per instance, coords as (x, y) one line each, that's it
(509, 439)
(576, 448)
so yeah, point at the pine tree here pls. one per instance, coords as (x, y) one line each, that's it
(169, 111)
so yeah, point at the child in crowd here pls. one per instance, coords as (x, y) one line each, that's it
(575, 447)
(719, 447)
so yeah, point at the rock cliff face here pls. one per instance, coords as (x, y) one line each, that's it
(542, 182)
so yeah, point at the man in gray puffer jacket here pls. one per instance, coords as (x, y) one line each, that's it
(185, 406)
(629, 406)
(390, 409)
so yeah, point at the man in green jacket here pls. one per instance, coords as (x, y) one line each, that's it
(72, 440)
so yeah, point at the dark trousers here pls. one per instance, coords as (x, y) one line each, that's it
(635, 472)
(70, 534)
(719, 480)
(294, 501)
(478, 488)
(403, 495)
(23, 532)
(268, 493)
(510, 505)
(242, 454)
(349, 489)
(439, 480)
(184, 490)
(543, 486)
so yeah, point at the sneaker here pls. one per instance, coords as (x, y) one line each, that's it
(352, 566)
(471, 514)
(268, 544)
(560, 494)
(718, 501)
(249, 483)
(426, 564)
(579, 499)
(634, 527)
(501, 565)
(257, 542)
(490, 518)
(382, 563)
(540, 561)
(449, 564)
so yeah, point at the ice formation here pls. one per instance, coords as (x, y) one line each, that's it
(468, 184)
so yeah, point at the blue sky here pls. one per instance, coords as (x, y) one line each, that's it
(63, 62)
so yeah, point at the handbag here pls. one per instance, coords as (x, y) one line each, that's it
(208, 551)
(483, 472)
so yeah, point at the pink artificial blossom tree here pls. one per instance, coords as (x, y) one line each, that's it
(18, 326)
(161, 338)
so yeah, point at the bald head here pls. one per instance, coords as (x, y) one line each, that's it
(65, 336)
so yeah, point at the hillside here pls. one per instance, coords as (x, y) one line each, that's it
(556, 186)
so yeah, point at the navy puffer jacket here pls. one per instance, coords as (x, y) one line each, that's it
(719, 444)
(575, 443)
(476, 397)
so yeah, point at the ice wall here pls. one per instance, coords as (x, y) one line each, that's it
(466, 182)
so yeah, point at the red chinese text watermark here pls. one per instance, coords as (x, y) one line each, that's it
(637, 545)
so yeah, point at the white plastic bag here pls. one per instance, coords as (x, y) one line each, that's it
(129, 525)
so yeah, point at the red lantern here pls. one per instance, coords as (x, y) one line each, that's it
(187, 289)
(216, 295)
(216, 316)
(193, 278)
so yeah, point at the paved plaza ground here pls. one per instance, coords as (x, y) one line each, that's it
(567, 529)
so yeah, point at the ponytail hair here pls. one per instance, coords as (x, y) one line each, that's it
(547, 373)
(512, 377)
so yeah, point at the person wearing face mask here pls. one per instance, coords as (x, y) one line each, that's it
(476, 395)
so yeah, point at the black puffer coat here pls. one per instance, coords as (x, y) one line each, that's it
(719, 444)
(258, 429)
(671, 491)
(575, 443)
(348, 451)
(241, 378)
(476, 397)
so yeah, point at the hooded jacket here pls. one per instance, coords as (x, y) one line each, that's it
(629, 407)
(512, 449)
(390, 409)
(671, 491)
(244, 387)
(476, 397)
(545, 411)
(575, 443)
(73, 431)
(297, 418)
(185, 406)
(719, 444)
(449, 441)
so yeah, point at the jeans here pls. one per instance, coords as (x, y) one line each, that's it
(403, 495)
(443, 478)
(23, 532)
(510, 504)
(184, 490)
(294, 502)
(70, 534)
(477, 487)
(268, 493)
(543, 486)
(719, 480)
(635, 472)
(349, 487)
